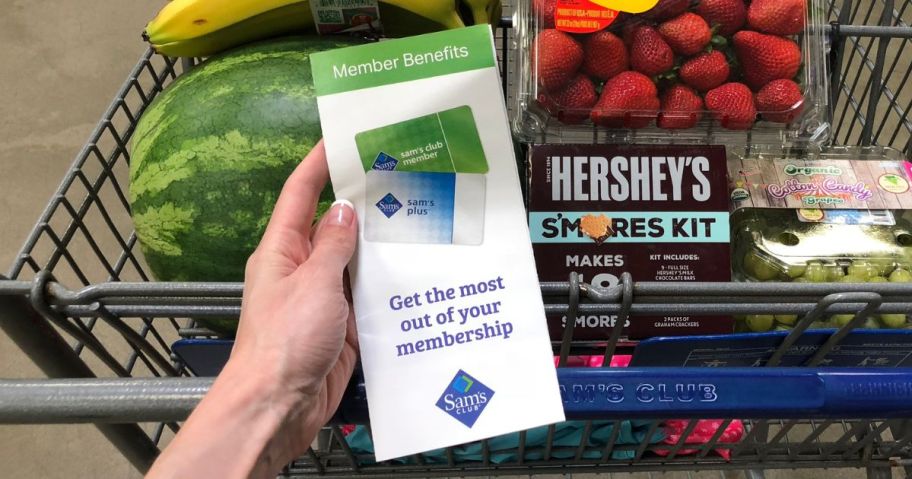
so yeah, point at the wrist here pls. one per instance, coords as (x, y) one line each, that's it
(260, 399)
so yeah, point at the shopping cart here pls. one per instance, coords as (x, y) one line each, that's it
(80, 302)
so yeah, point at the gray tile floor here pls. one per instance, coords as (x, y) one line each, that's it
(61, 63)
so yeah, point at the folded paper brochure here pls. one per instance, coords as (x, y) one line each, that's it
(453, 337)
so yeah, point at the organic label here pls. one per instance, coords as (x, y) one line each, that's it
(818, 184)
(893, 183)
(810, 214)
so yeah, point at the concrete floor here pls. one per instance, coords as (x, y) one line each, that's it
(61, 63)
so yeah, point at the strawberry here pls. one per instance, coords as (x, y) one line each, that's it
(780, 101)
(630, 99)
(705, 71)
(666, 9)
(733, 105)
(604, 55)
(681, 108)
(727, 16)
(779, 17)
(544, 11)
(765, 58)
(686, 34)
(557, 57)
(649, 54)
(630, 27)
(573, 103)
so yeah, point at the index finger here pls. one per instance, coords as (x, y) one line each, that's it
(294, 210)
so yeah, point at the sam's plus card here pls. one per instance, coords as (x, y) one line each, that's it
(437, 208)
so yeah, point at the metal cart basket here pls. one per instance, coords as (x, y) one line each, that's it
(80, 302)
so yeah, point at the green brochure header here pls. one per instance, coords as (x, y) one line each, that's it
(406, 59)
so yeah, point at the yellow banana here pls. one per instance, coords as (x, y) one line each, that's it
(481, 10)
(495, 13)
(292, 18)
(440, 11)
(196, 28)
(186, 19)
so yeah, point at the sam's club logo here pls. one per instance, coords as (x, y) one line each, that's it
(465, 398)
(385, 162)
(389, 205)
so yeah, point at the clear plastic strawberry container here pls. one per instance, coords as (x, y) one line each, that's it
(723, 71)
(837, 215)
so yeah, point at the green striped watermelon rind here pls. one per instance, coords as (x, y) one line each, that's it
(211, 153)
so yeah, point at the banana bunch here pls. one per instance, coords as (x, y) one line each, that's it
(199, 28)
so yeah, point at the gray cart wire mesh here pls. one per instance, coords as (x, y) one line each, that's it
(80, 302)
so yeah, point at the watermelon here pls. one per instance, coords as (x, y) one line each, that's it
(211, 153)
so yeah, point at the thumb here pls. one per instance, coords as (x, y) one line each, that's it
(335, 239)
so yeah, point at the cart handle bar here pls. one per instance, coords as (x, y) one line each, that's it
(587, 393)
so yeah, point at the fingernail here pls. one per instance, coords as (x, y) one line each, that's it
(341, 213)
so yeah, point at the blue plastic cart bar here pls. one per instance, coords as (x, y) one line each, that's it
(749, 393)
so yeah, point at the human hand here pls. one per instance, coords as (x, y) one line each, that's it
(295, 349)
(297, 323)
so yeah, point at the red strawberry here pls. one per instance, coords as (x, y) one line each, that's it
(779, 17)
(705, 71)
(544, 11)
(765, 58)
(686, 34)
(728, 15)
(733, 105)
(573, 103)
(666, 9)
(604, 55)
(780, 101)
(630, 27)
(681, 108)
(649, 54)
(630, 100)
(557, 57)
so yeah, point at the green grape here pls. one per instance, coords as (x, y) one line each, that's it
(782, 328)
(835, 273)
(893, 321)
(870, 323)
(815, 273)
(800, 280)
(883, 266)
(758, 268)
(841, 320)
(760, 322)
(820, 325)
(901, 276)
(878, 279)
(861, 268)
(795, 270)
(787, 319)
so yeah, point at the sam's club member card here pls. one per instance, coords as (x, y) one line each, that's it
(440, 142)
(454, 341)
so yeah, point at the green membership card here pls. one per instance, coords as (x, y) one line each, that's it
(442, 142)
